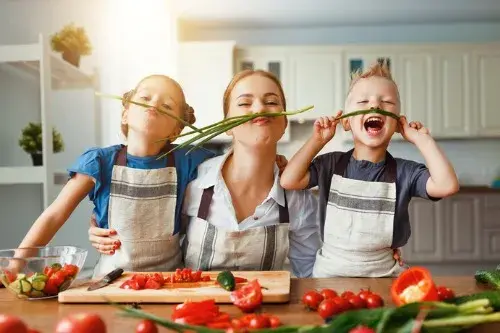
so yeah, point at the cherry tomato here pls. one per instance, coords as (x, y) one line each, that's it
(12, 324)
(342, 303)
(237, 323)
(274, 321)
(445, 293)
(146, 326)
(259, 322)
(329, 308)
(247, 298)
(81, 323)
(312, 299)
(363, 294)
(328, 293)
(357, 302)
(347, 294)
(70, 270)
(374, 301)
(51, 287)
(58, 277)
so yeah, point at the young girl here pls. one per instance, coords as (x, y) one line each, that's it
(135, 194)
(365, 192)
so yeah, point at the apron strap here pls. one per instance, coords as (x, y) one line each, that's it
(206, 200)
(121, 157)
(390, 172)
(284, 216)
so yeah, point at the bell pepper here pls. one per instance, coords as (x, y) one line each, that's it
(414, 285)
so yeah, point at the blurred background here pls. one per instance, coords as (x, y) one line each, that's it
(444, 55)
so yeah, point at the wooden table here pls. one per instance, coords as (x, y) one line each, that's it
(43, 315)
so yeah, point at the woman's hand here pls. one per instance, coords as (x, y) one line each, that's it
(100, 238)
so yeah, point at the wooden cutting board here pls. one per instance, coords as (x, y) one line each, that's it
(276, 282)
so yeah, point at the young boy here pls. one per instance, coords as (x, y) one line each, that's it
(365, 192)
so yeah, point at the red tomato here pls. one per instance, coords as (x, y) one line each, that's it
(237, 323)
(146, 326)
(329, 308)
(445, 293)
(362, 329)
(70, 270)
(12, 324)
(312, 299)
(157, 277)
(342, 303)
(259, 322)
(357, 302)
(363, 294)
(248, 297)
(152, 284)
(347, 294)
(130, 284)
(274, 321)
(206, 278)
(328, 293)
(140, 279)
(51, 287)
(81, 323)
(11, 277)
(374, 301)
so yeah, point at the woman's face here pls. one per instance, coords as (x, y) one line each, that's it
(257, 94)
(158, 92)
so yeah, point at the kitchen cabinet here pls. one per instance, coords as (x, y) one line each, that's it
(462, 229)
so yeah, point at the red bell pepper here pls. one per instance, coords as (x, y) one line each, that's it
(414, 285)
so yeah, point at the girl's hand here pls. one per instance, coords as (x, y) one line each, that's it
(100, 238)
(413, 131)
(281, 161)
(396, 254)
(325, 127)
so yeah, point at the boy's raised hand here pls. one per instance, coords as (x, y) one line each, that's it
(412, 131)
(325, 127)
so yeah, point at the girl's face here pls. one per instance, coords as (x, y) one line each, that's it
(148, 122)
(257, 94)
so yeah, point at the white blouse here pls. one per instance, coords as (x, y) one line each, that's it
(304, 229)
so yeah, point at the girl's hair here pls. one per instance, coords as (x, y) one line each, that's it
(246, 73)
(187, 114)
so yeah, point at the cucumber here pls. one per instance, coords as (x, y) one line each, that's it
(226, 280)
(38, 285)
(25, 286)
(39, 277)
(16, 286)
(20, 276)
(37, 293)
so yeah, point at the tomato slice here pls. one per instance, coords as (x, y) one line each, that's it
(248, 297)
(190, 308)
(157, 277)
(141, 280)
(414, 285)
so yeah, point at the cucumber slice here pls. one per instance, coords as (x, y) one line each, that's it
(16, 286)
(37, 294)
(25, 286)
(38, 285)
(39, 277)
(20, 276)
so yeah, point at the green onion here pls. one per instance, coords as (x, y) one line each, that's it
(159, 109)
(379, 111)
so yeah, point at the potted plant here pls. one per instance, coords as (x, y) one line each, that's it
(31, 142)
(72, 42)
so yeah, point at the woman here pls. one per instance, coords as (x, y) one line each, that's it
(237, 215)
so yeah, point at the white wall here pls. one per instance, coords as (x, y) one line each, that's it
(476, 161)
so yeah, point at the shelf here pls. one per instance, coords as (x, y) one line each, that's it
(22, 175)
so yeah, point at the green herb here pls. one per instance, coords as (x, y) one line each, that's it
(379, 111)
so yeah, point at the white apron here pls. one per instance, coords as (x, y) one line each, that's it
(142, 211)
(358, 228)
(209, 248)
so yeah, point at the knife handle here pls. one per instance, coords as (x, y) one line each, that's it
(113, 275)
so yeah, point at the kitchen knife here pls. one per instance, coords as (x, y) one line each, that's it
(106, 280)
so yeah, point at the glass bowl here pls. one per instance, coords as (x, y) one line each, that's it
(40, 272)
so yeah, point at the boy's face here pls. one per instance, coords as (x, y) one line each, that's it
(372, 130)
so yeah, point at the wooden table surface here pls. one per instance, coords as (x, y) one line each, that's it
(44, 314)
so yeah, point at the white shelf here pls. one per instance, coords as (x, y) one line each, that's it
(22, 175)
(26, 58)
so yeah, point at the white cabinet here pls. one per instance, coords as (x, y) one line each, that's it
(204, 71)
(316, 79)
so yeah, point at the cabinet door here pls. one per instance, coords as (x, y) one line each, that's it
(452, 115)
(361, 59)
(463, 227)
(416, 88)
(425, 244)
(490, 230)
(486, 80)
(317, 80)
(204, 71)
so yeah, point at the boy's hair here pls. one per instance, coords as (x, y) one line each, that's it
(380, 69)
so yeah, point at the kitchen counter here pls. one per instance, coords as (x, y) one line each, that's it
(44, 314)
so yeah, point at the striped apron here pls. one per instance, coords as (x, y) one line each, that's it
(359, 223)
(142, 211)
(209, 248)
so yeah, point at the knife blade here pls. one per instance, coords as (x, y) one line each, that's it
(106, 280)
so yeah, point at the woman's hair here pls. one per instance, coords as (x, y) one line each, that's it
(243, 74)
(187, 114)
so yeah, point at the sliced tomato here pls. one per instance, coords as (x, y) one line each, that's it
(239, 280)
(206, 278)
(11, 277)
(247, 298)
(190, 308)
(141, 280)
(130, 284)
(70, 270)
(152, 284)
(196, 276)
(157, 277)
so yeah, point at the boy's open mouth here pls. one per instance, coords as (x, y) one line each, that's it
(374, 124)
